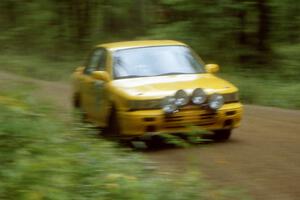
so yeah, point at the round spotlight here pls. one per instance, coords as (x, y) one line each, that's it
(181, 98)
(168, 105)
(199, 96)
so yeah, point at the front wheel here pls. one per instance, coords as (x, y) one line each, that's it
(77, 105)
(76, 100)
(222, 135)
(113, 128)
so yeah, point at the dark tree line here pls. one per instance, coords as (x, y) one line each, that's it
(229, 30)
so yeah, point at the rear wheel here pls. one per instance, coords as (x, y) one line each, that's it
(222, 135)
(76, 100)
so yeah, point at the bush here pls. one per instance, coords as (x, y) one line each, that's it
(261, 89)
(40, 67)
(42, 158)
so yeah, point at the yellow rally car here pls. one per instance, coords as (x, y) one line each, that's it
(141, 88)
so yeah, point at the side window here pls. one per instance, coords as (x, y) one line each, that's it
(96, 61)
(102, 61)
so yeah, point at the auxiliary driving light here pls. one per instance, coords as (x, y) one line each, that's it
(168, 105)
(181, 98)
(199, 96)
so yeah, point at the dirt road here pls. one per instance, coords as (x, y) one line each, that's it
(263, 156)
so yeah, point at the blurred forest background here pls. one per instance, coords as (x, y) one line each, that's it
(254, 40)
(45, 155)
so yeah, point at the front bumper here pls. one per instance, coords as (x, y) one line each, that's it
(145, 122)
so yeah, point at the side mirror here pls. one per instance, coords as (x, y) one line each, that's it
(212, 68)
(101, 75)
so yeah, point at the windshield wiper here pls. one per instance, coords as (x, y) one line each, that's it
(173, 73)
(165, 74)
(131, 76)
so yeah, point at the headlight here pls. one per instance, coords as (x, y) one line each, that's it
(231, 97)
(181, 98)
(168, 105)
(199, 96)
(216, 101)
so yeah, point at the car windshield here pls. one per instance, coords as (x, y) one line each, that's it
(155, 61)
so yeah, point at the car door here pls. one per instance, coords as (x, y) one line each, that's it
(99, 100)
(89, 84)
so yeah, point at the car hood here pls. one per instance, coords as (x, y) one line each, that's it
(161, 86)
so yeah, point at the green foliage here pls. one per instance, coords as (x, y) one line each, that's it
(266, 90)
(43, 158)
(227, 31)
(288, 58)
(39, 67)
(194, 136)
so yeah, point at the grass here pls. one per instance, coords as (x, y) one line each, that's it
(276, 85)
(43, 157)
(266, 91)
(39, 67)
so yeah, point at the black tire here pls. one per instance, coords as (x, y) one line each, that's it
(77, 105)
(222, 135)
(76, 100)
(113, 128)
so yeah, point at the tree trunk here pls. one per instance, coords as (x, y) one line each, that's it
(241, 34)
(263, 26)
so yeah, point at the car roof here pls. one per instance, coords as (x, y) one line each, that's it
(140, 43)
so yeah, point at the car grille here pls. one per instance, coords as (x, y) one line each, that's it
(185, 118)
